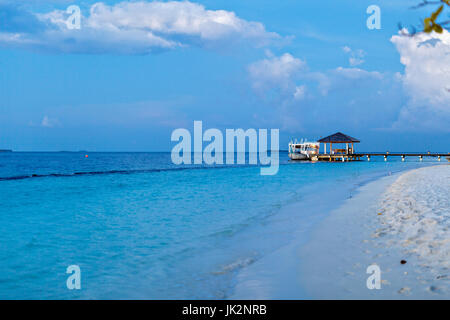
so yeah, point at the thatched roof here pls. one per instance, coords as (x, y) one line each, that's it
(339, 137)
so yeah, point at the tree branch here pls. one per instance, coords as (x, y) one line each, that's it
(426, 3)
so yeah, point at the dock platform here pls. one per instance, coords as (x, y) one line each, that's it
(346, 157)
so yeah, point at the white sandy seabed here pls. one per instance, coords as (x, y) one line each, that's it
(398, 217)
(404, 217)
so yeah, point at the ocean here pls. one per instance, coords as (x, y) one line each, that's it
(140, 227)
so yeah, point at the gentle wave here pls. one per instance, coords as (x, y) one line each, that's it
(108, 172)
(238, 264)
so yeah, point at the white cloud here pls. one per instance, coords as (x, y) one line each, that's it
(140, 28)
(355, 61)
(356, 73)
(338, 98)
(418, 99)
(347, 49)
(50, 122)
(283, 73)
(300, 92)
(275, 72)
(426, 79)
(356, 56)
(343, 77)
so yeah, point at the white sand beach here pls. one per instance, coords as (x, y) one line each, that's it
(400, 217)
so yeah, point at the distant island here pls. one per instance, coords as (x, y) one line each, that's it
(5, 150)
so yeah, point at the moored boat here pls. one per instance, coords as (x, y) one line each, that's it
(303, 150)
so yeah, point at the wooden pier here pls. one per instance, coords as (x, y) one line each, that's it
(346, 157)
(348, 153)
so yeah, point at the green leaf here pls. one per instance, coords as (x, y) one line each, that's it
(435, 14)
(438, 28)
(428, 25)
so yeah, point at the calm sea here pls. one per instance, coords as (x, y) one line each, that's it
(140, 227)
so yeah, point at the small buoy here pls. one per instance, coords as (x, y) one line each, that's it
(86, 156)
(403, 261)
(379, 213)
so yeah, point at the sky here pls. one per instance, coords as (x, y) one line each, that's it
(137, 70)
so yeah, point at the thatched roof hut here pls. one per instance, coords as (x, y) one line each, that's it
(339, 137)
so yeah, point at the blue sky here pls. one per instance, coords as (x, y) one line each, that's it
(136, 71)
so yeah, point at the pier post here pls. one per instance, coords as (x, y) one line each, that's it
(439, 158)
(403, 158)
(368, 158)
(385, 158)
(421, 158)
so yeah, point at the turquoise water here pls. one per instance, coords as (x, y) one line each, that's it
(141, 227)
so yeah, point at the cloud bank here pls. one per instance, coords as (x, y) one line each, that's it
(340, 98)
(354, 98)
(426, 79)
(130, 28)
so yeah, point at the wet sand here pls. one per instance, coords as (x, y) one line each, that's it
(383, 222)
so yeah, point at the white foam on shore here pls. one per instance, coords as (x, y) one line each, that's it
(413, 226)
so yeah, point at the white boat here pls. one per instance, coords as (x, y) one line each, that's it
(303, 150)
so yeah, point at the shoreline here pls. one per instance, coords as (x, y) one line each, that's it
(277, 274)
(359, 234)
(332, 263)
